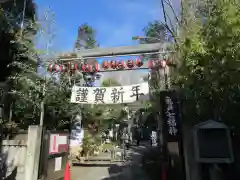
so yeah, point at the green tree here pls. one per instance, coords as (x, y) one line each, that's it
(209, 53)
(110, 82)
(86, 40)
(13, 47)
(115, 113)
(104, 115)
(207, 50)
(10, 29)
(156, 31)
(27, 85)
(86, 37)
(98, 118)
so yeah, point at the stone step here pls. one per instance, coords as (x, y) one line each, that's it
(98, 159)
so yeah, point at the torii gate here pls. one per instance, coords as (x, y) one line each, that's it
(161, 65)
(160, 49)
(75, 63)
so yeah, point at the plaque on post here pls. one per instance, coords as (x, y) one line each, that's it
(212, 143)
(171, 115)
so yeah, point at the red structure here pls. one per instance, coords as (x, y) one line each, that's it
(121, 65)
(67, 173)
(139, 62)
(58, 143)
(110, 65)
(164, 173)
(130, 63)
(105, 65)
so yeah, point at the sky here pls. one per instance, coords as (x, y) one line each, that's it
(115, 22)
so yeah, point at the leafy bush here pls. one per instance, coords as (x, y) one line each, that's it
(90, 144)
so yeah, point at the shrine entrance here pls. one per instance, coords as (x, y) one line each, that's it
(153, 57)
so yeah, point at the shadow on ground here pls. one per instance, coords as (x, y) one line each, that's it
(115, 172)
(130, 170)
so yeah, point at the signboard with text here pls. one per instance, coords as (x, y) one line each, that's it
(58, 143)
(171, 115)
(109, 95)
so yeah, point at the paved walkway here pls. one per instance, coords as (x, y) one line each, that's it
(129, 170)
(89, 173)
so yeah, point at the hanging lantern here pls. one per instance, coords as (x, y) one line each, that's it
(61, 68)
(76, 66)
(139, 62)
(170, 62)
(53, 67)
(56, 68)
(105, 65)
(163, 63)
(130, 63)
(96, 67)
(50, 67)
(89, 68)
(120, 65)
(113, 64)
(150, 64)
(84, 67)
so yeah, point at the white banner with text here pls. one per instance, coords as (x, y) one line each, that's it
(109, 95)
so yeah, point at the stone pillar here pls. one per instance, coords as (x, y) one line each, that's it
(33, 152)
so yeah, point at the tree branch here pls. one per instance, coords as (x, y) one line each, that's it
(171, 32)
(173, 10)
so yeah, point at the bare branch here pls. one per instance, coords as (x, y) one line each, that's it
(171, 32)
(171, 25)
(173, 10)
